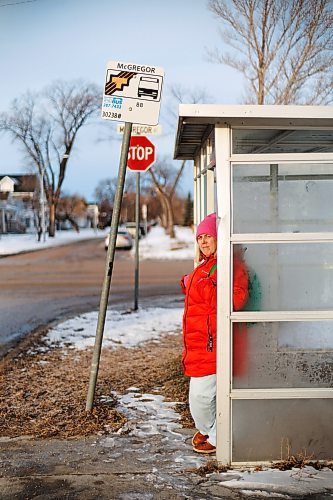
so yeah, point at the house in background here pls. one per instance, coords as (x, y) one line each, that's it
(20, 207)
(19, 203)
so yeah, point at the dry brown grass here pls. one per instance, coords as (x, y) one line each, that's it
(44, 394)
(210, 467)
(298, 460)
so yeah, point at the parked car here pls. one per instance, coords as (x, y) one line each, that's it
(131, 228)
(124, 240)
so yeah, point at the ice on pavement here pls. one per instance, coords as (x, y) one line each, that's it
(154, 421)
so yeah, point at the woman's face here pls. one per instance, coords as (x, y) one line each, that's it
(207, 244)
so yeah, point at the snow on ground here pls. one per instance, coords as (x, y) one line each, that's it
(11, 244)
(156, 245)
(273, 483)
(126, 329)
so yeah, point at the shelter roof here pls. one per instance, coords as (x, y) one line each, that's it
(196, 121)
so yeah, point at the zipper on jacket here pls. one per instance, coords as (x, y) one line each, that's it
(210, 342)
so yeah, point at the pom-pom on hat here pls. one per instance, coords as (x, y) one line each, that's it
(207, 226)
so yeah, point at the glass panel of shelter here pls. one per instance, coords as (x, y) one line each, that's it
(265, 430)
(284, 354)
(286, 198)
(296, 197)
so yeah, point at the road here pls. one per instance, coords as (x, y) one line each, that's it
(39, 288)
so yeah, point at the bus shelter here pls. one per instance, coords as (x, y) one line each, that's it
(267, 171)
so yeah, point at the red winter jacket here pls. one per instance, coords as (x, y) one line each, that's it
(199, 319)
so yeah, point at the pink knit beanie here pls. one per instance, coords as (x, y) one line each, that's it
(207, 226)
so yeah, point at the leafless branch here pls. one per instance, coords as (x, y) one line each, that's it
(282, 47)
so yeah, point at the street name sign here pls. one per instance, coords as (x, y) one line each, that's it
(132, 93)
(141, 129)
(141, 154)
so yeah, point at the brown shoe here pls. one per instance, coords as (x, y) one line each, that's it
(205, 447)
(199, 438)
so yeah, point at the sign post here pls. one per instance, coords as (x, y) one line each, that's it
(137, 229)
(132, 94)
(140, 158)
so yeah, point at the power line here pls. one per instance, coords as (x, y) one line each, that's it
(17, 3)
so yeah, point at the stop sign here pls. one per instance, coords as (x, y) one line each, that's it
(141, 154)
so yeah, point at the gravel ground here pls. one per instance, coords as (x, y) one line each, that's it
(43, 394)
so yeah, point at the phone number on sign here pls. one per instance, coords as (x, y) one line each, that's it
(111, 114)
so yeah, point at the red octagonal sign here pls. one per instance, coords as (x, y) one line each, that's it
(141, 154)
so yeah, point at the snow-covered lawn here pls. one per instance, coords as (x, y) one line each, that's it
(126, 329)
(11, 244)
(158, 245)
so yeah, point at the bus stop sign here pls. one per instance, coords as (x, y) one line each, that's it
(141, 154)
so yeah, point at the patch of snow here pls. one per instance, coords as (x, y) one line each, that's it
(152, 414)
(158, 245)
(155, 422)
(11, 244)
(127, 330)
(274, 483)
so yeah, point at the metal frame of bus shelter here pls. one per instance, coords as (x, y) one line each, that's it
(205, 135)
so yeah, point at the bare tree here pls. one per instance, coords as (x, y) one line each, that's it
(165, 179)
(106, 188)
(105, 193)
(180, 94)
(46, 125)
(70, 208)
(282, 47)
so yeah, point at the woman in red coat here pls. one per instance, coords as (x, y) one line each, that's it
(199, 332)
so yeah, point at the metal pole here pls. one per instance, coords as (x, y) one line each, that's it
(42, 204)
(109, 266)
(144, 216)
(137, 217)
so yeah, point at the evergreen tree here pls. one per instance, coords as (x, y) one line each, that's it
(188, 212)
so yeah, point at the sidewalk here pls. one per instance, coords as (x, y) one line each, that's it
(149, 458)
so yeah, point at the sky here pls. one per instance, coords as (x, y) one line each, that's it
(42, 41)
